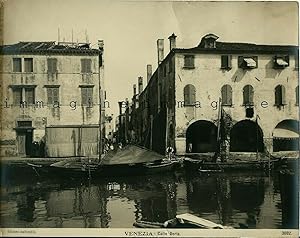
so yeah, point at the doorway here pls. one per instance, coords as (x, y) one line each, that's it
(24, 141)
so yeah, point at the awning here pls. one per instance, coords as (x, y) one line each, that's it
(285, 133)
(250, 62)
(281, 62)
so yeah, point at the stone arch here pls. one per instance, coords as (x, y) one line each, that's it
(201, 137)
(286, 136)
(246, 136)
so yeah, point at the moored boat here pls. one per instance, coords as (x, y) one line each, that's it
(202, 165)
(185, 220)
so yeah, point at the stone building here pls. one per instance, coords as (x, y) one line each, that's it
(241, 96)
(51, 96)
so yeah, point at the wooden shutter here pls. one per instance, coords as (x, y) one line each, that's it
(29, 95)
(50, 95)
(224, 61)
(17, 95)
(251, 94)
(192, 95)
(226, 92)
(17, 65)
(283, 101)
(84, 96)
(55, 95)
(89, 96)
(52, 65)
(28, 65)
(86, 65)
(248, 93)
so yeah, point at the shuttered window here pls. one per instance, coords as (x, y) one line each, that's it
(248, 93)
(29, 95)
(87, 96)
(52, 65)
(279, 95)
(28, 65)
(189, 61)
(189, 95)
(226, 61)
(226, 92)
(86, 65)
(17, 65)
(53, 95)
(17, 95)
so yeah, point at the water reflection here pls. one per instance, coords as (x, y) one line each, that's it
(230, 199)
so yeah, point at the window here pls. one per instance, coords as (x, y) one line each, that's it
(189, 61)
(29, 95)
(226, 61)
(279, 95)
(17, 65)
(297, 95)
(248, 95)
(53, 95)
(247, 62)
(52, 65)
(87, 96)
(28, 65)
(17, 95)
(297, 60)
(189, 95)
(281, 62)
(25, 96)
(86, 65)
(226, 92)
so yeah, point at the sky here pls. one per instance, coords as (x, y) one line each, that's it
(130, 29)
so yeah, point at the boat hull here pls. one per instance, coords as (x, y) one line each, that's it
(107, 170)
(191, 164)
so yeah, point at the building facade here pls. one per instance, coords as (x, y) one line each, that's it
(239, 96)
(51, 95)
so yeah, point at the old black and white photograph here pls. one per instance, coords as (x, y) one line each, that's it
(149, 118)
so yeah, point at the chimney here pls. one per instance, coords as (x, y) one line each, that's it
(134, 89)
(160, 50)
(172, 39)
(149, 72)
(140, 83)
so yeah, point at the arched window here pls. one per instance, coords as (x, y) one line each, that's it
(189, 95)
(279, 95)
(226, 92)
(248, 92)
(297, 95)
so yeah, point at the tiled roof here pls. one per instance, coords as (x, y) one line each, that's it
(232, 47)
(46, 47)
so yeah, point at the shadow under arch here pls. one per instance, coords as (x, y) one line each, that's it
(246, 136)
(201, 137)
(286, 136)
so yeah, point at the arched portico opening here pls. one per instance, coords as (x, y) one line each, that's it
(246, 136)
(286, 136)
(201, 137)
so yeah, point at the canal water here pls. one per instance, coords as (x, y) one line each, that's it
(251, 199)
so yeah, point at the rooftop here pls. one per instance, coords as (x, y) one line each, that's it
(48, 47)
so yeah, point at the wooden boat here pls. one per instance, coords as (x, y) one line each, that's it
(201, 165)
(68, 168)
(185, 220)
